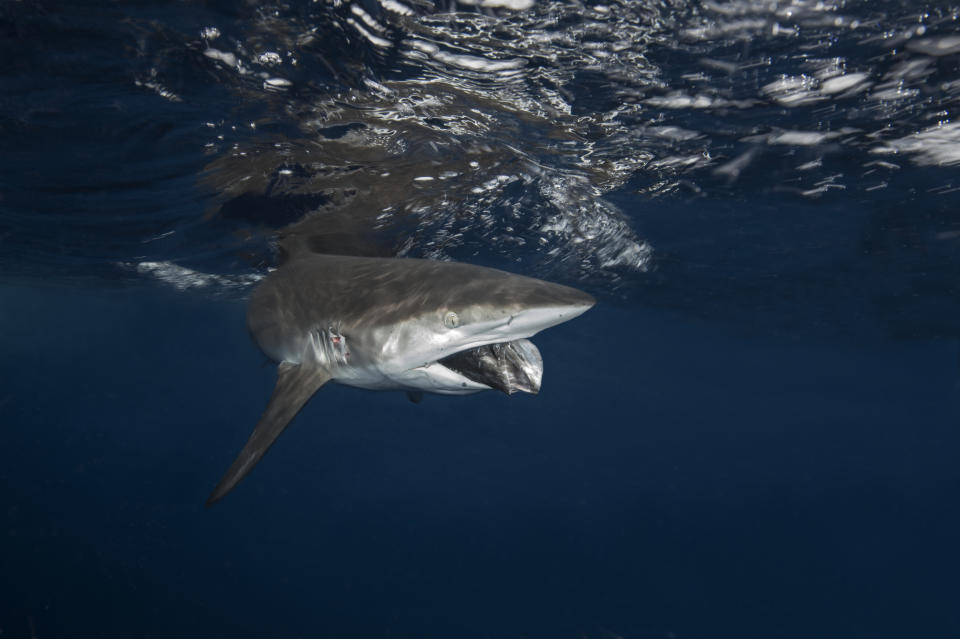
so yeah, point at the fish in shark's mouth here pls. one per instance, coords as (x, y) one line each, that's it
(506, 366)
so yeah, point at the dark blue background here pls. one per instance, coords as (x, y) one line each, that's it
(673, 479)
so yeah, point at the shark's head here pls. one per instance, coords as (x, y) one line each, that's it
(396, 323)
(445, 309)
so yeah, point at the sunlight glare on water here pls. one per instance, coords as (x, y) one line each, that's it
(546, 137)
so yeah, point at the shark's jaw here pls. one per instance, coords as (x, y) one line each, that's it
(505, 366)
(499, 357)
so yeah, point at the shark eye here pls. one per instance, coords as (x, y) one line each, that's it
(451, 320)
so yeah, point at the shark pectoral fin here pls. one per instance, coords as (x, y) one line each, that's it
(296, 383)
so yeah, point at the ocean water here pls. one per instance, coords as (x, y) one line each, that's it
(754, 434)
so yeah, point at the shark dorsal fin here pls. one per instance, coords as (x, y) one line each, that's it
(296, 383)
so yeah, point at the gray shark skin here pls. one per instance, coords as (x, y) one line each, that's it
(395, 324)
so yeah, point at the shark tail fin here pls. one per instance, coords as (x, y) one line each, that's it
(296, 383)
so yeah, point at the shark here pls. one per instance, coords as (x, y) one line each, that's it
(387, 323)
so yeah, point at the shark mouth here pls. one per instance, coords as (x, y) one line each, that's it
(506, 366)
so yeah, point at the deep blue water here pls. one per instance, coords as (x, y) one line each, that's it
(754, 434)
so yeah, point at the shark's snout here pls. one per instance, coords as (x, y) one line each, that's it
(576, 298)
(557, 304)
